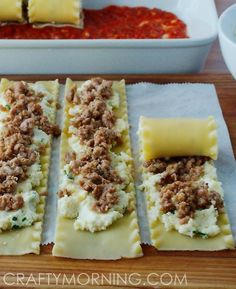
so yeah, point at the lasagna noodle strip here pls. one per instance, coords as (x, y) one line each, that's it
(160, 237)
(178, 137)
(27, 239)
(11, 10)
(55, 11)
(121, 239)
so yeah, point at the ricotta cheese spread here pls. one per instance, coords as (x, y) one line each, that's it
(24, 217)
(79, 204)
(91, 220)
(27, 215)
(202, 224)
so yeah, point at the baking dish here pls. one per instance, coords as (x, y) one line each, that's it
(120, 56)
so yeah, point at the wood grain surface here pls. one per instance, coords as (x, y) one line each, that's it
(156, 269)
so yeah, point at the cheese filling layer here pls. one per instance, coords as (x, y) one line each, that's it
(23, 217)
(94, 210)
(172, 207)
(30, 108)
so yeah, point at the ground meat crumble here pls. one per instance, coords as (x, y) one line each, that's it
(178, 188)
(16, 155)
(95, 130)
(177, 169)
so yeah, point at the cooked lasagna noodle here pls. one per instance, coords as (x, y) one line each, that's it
(55, 11)
(27, 116)
(96, 207)
(185, 200)
(189, 137)
(11, 10)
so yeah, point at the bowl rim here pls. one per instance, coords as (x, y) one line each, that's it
(220, 24)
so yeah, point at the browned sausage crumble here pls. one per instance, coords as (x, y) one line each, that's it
(186, 198)
(95, 130)
(16, 155)
(63, 193)
(9, 202)
(177, 169)
(178, 188)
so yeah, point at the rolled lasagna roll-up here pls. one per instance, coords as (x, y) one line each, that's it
(55, 11)
(11, 10)
(178, 137)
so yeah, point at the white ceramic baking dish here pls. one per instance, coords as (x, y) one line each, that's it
(120, 56)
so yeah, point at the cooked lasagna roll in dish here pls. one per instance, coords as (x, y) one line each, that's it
(27, 116)
(96, 206)
(11, 10)
(185, 200)
(55, 11)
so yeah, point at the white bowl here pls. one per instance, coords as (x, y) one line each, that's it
(227, 35)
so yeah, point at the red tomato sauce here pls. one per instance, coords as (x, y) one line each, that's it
(112, 22)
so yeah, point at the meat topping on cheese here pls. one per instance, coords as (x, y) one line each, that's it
(22, 115)
(95, 176)
(184, 190)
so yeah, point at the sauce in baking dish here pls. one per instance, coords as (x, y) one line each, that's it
(112, 22)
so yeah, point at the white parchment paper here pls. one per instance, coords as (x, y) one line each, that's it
(172, 100)
(53, 180)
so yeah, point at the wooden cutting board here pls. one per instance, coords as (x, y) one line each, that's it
(154, 270)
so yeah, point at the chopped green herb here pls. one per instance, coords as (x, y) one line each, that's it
(24, 219)
(14, 218)
(69, 175)
(200, 234)
(15, 227)
(8, 106)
